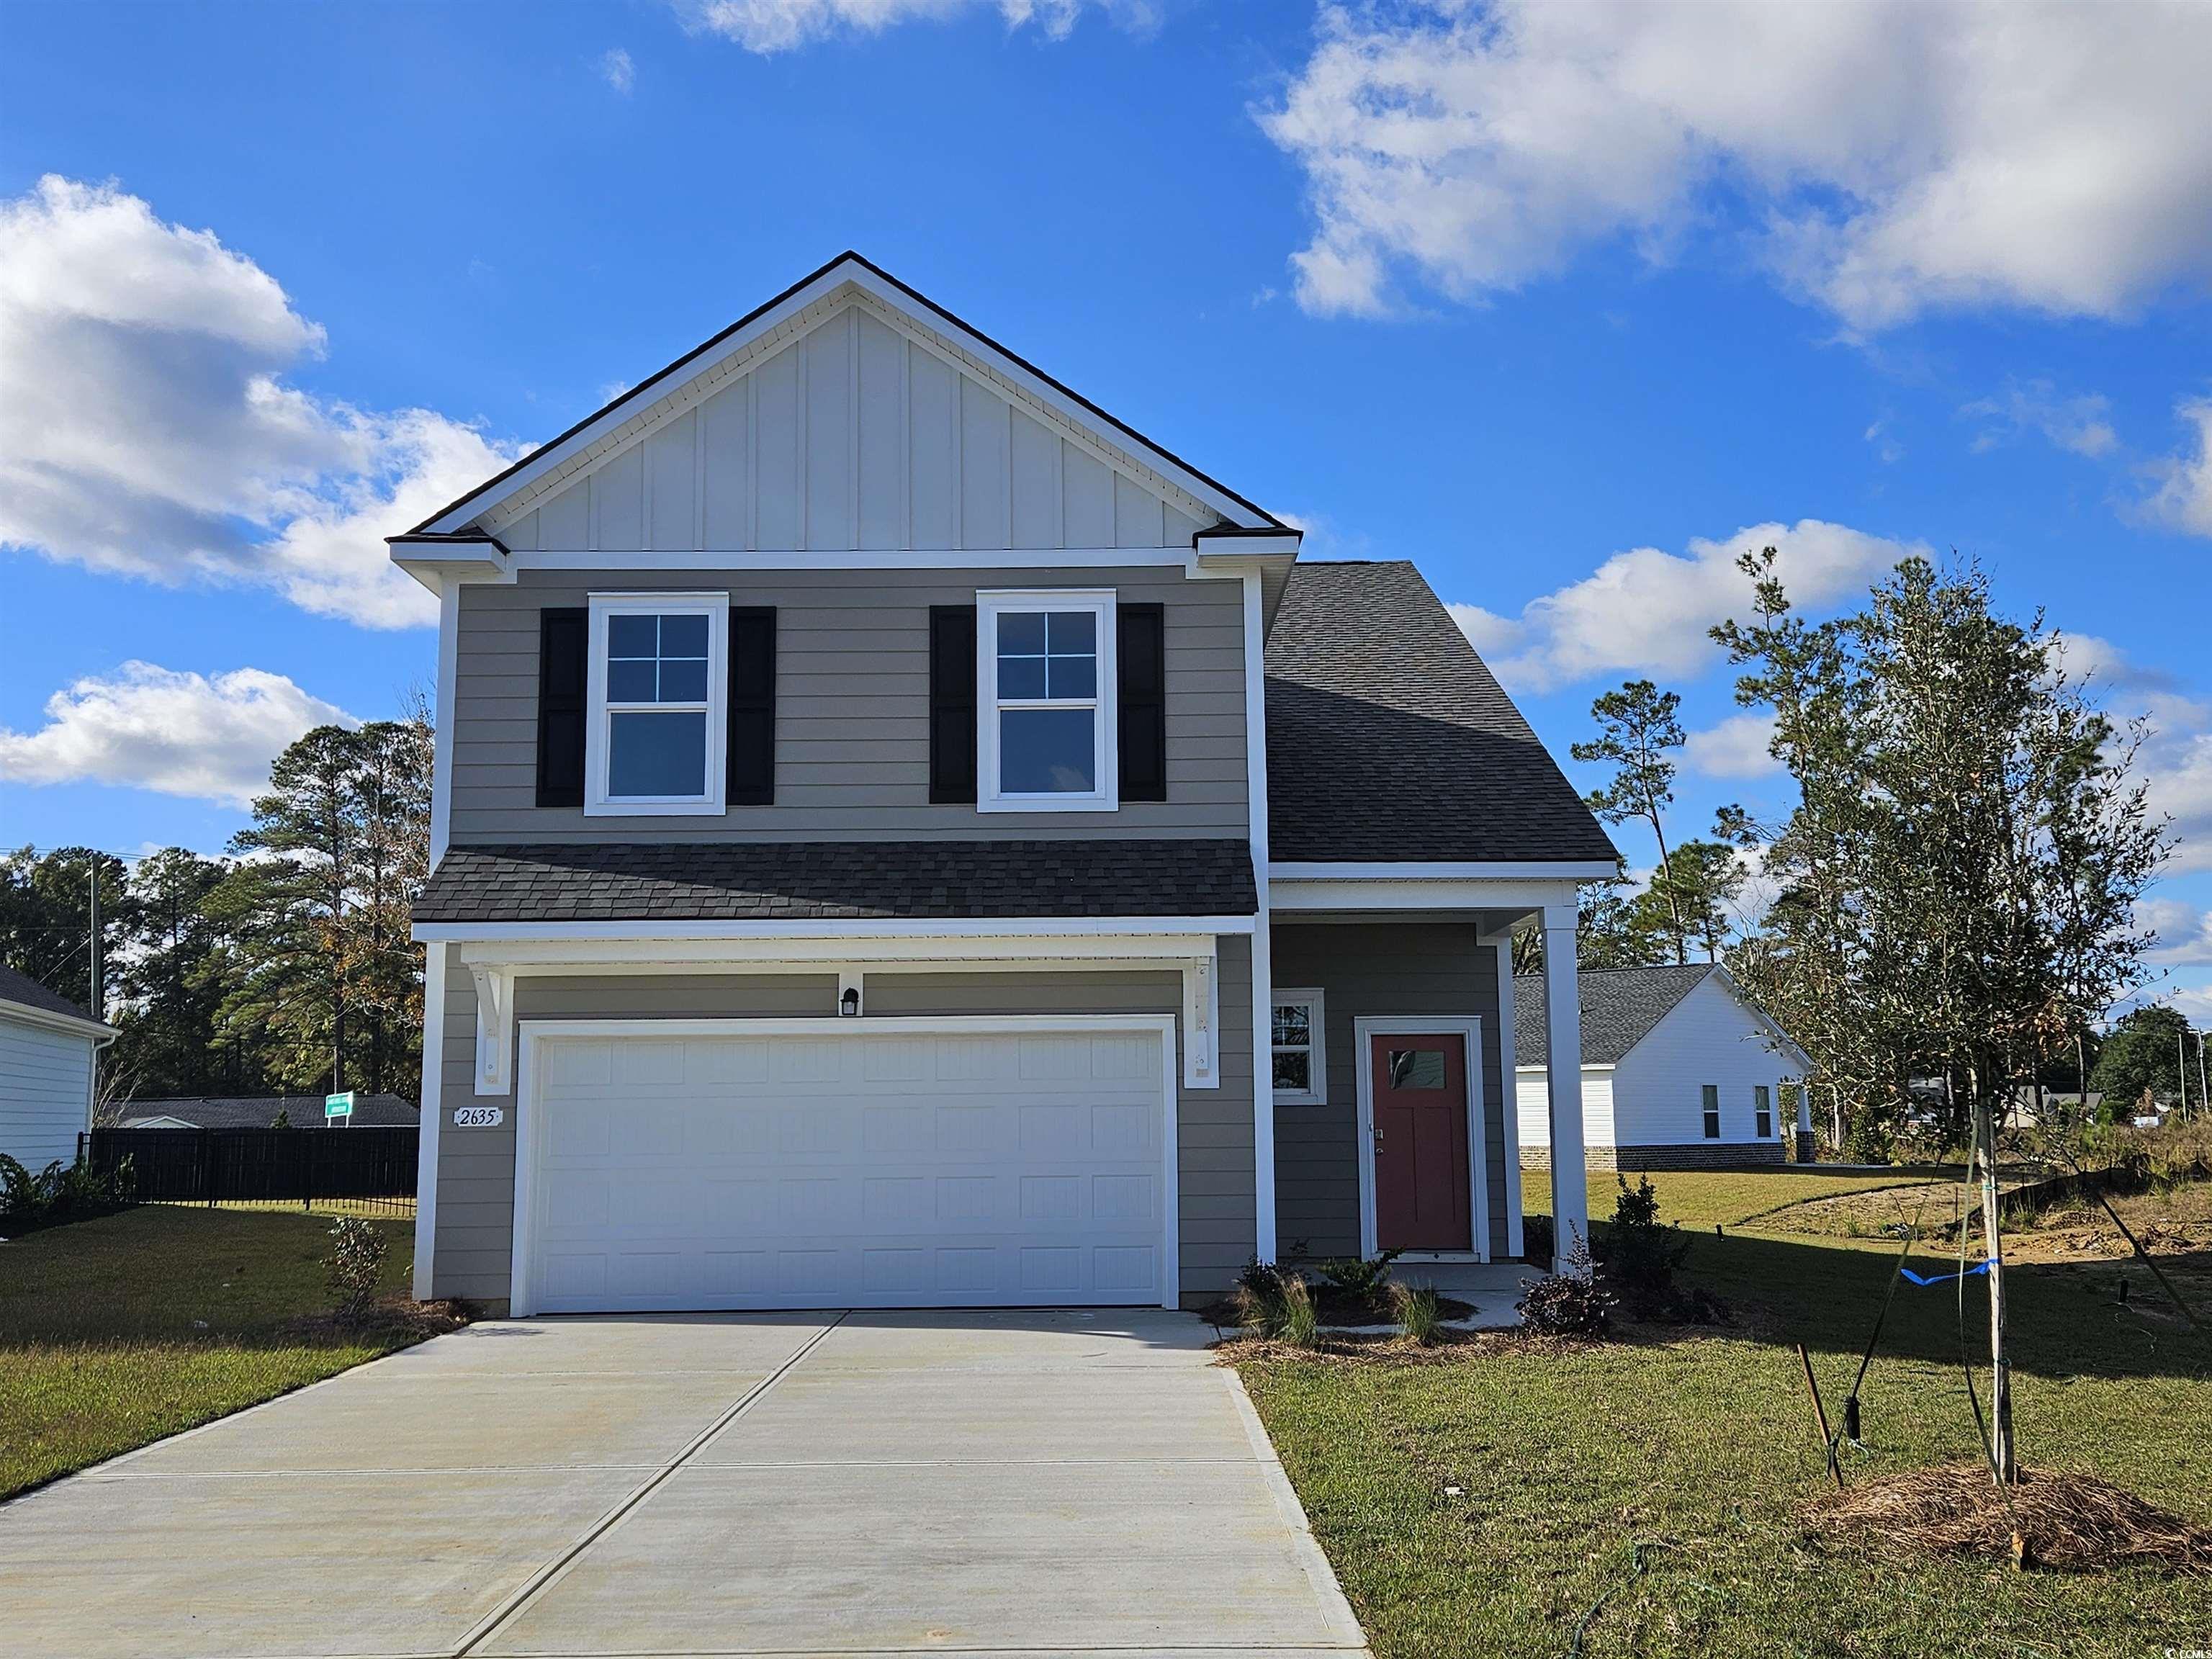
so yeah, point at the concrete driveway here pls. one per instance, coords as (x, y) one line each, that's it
(871, 1483)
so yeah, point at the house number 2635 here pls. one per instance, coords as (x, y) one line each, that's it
(479, 1117)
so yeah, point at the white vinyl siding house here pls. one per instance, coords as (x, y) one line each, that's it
(46, 1073)
(1679, 1071)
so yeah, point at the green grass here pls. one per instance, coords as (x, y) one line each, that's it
(1564, 1461)
(117, 1332)
(1699, 1198)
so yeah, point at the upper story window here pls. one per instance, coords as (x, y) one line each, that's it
(1045, 706)
(658, 692)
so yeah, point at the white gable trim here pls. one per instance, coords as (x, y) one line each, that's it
(782, 318)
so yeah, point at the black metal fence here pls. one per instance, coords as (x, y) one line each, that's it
(368, 1171)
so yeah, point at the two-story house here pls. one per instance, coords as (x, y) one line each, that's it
(903, 838)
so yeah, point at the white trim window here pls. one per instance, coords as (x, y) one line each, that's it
(1045, 684)
(1299, 1065)
(1708, 1104)
(1762, 1111)
(659, 700)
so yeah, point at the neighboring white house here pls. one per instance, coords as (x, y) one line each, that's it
(46, 1049)
(1679, 1071)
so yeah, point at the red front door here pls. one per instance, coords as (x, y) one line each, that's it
(1421, 1198)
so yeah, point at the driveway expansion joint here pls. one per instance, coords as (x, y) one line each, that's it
(545, 1576)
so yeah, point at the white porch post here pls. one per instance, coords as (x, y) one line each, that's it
(1562, 1028)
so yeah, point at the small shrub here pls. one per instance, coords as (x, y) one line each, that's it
(1641, 1253)
(354, 1267)
(1301, 1323)
(1571, 1304)
(1536, 1240)
(1362, 1280)
(61, 1191)
(1416, 1307)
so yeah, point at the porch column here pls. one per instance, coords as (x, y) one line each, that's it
(1563, 1070)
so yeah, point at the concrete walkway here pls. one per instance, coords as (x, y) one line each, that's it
(872, 1483)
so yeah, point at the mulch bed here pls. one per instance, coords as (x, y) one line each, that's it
(393, 1318)
(2064, 1519)
(1333, 1306)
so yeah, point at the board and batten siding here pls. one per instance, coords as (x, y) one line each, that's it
(856, 436)
(852, 755)
(45, 1093)
(1216, 1208)
(1376, 970)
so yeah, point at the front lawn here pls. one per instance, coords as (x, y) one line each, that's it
(1699, 1198)
(119, 1331)
(1482, 1503)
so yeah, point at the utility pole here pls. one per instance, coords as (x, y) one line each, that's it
(2181, 1071)
(94, 976)
(1985, 1147)
(2203, 1098)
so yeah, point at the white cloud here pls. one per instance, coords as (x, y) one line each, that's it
(146, 430)
(774, 26)
(1884, 158)
(2175, 761)
(148, 727)
(2183, 498)
(1736, 748)
(617, 69)
(2081, 424)
(2184, 930)
(2194, 1001)
(1646, 611)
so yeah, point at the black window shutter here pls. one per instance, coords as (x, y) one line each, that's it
(952, 703)
(562, 636)
(751, 776)
(1141, 647)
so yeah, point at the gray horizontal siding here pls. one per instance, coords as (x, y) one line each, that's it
(476, 1167)
(1375, 970)
(852, 708)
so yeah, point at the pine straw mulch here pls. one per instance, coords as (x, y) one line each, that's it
(1450, 1347)
(393, 1321)
(2067, 1520)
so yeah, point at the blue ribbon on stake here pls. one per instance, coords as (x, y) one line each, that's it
(1945, 1278)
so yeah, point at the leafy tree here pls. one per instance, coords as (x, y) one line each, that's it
(2140, 1058)
(170, 1003)
(1959, 875)
(45, 917)
(1697, 890)
(1638, 729)
(1611, 931)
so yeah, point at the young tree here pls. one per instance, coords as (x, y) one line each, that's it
(1638, 729)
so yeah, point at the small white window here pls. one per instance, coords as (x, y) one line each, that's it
(658, 681)
(1044, 700)
(1301, 1063)
(1712, 1103)
(1762, 1102)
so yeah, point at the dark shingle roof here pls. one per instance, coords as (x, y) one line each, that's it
(24, 989)
(874, 880)
(1387, 739)
(259, 1111)
(1621, 1006)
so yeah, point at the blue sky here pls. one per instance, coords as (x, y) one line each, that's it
(1509, 293)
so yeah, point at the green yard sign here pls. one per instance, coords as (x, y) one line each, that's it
(337, 1105)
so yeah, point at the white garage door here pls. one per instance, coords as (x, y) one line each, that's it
(877, 1166)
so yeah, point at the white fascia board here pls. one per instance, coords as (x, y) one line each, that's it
(438, 562)
(1365, 893)
(1214, 546)
(1526, 870)
(1539, 1068)
(822, 954)
(1046, 930)
(848, 271)
(47, 1019)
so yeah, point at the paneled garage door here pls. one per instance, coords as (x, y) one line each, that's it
(848, 1165)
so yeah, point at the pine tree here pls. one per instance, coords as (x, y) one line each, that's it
(1638, 729)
